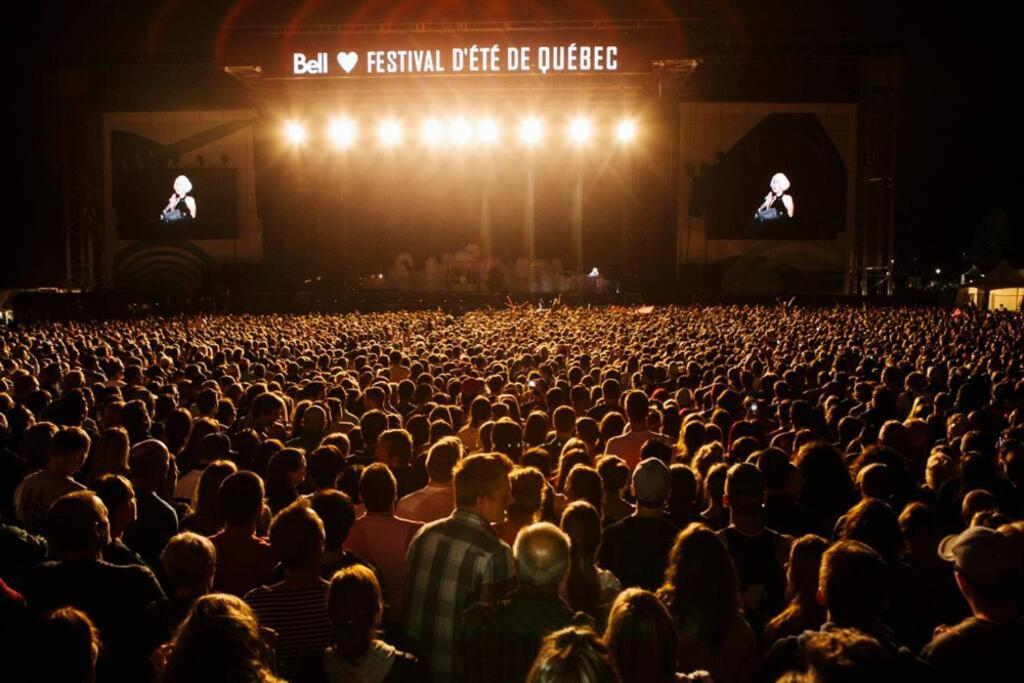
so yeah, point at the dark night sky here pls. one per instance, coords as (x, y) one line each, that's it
(955, 135)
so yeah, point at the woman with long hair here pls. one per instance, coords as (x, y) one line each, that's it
(573, 655)
(110, 454)
(206, 518)
(643, 640)
(355, 607)
(220, 641)
(803, 613)
(701, 592)
(588, 588)
(285, 471)
(614, 479)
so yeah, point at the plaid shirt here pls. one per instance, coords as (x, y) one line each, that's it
(453, 563)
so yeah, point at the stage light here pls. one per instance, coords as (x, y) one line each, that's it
(626, 130)
(487, 131)
(580, 130)
(294, 132)
(460, 131)
(389, 133)
(432, 132)
(531, 131)
(342, 132)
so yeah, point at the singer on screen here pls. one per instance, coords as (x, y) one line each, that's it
(777, 206)
(181, 206)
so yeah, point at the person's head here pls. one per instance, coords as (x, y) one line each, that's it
(189, 561)
(63, 645)
(482, 485)
(642, 638)
(110, 455)
(118, 496)
(77, 526)
(182, 186)
(744, 490)
(297, 537)
(70, 446)
(268, 408)
(527, 486)
(441, 459)
(220, 640)
(148, 462)
(701, 582)
(984, 564)
(584, 483)
(206, 503)
(378, 488)
(852, 583)
(804, 567)
(637, 405)
(285, 471)
(874, 523)
(652, 484)
(614, 473)
(355, 607)
(336, 511)
(507, 438)
(241, 499)
(325, 465)
(394, 448)
(564, 419)
(841, 655)
(574, 654)
(542, 556)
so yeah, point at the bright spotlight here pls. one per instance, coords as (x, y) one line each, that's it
(389, 133)
(460, 132)
(342, 132)
(626, 130)
(531, 131)
(487, 131)
(432, 132)
(294, 132)
(580, 130)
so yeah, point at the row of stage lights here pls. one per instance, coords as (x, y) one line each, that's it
(344, 133)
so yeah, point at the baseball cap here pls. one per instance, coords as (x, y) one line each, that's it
(981, 554)
(652, 481)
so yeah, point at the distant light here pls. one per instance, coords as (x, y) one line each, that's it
(432, 132)
(389, 132)
(938, 271)
(487, 131)
(594, 273)
(294, 132)
(460, 131)
(531, 131)
(626, 130)
(580, 130)
(342, 131)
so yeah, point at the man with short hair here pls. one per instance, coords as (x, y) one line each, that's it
(457, 561)
(379, 536)
(635, 549)
(988, 644)
(245, 559)
(189, 563)
(394, 449)
(564, 421)
(629, 444)
(39, 490)
(758, 552)
(296, 607)
(115, 597)
(436, 500)
(500, 641)
(156, 521)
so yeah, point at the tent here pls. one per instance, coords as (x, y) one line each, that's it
(1000, 288)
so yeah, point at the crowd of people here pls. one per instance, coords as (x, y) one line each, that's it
(719, 493)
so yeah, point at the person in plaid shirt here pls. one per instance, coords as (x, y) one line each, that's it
(457, 561)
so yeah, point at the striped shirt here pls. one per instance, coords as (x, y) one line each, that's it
(453, 563)
(302, 625)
